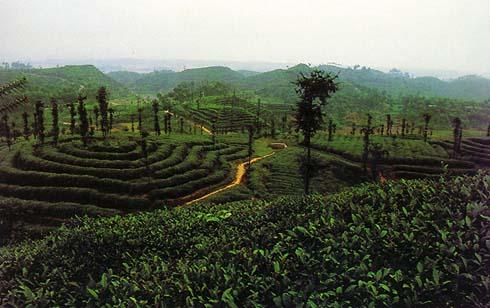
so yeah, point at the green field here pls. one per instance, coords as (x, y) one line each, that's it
(178, 218)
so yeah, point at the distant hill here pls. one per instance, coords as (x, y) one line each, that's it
(125, 77)
(162, 81)
(470, 87)
(247, 73)
(64, 82)
(277, 83)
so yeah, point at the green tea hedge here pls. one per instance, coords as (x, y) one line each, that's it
(405, 243)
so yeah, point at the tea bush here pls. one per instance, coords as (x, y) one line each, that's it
(404, 243)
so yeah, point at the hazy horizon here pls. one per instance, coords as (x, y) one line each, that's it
(440, 36)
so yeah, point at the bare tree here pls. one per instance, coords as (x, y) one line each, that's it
(55, 130)
(427, 118)
(366, 131)
(457, 135)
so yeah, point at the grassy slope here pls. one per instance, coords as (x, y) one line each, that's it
(162, 81)
(396, 147)
(402, 243)
(62, 82)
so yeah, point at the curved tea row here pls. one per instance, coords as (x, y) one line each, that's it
(117, 176)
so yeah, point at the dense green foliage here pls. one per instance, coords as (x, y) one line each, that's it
(400, 243)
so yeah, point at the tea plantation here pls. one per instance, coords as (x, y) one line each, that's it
(45, 183)
(405, 243)
(136, 202)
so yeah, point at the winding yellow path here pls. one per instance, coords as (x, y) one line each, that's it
(240, 174)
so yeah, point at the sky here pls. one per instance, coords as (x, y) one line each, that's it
(419, 34)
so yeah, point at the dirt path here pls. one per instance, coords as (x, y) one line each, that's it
(204, 129)
(240, 174)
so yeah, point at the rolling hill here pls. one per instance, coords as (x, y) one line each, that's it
(64, 82)
(277, 83)
(162, 81)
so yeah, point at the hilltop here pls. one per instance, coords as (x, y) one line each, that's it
(277, 83)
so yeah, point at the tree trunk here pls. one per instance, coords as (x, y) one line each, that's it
(308, 163)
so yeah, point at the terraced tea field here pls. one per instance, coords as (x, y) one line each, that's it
(473, 149)
(410, 159)
(117, 176)
(227, 120)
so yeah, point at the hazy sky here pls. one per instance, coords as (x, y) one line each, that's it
(437, 34)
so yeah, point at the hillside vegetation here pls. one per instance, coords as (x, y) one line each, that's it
(361, 91)
(406, 243)
(63, 82)
(277, 83)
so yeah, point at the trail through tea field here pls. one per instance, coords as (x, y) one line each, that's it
(240, 174)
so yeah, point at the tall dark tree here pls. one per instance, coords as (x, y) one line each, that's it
(25, 118)
(55, 128)
(103, 109)
(6, 130)
(330, 130)
(140, 120)
(284, 120)
(389, 125)
(273, 128)
(34, 125)
(314, 92)
(82, 112)
(156, 123)
(213, 131)
(181, 125)
(144, 152)
(257, 117)
(250, 144)
(169, 123)
(96, 115)
(404, 126)
(427, 118)
(91, 126)
(90, 121)
(111, 118)
(131, 118)
(144, 147)
(13, 131)
(458, 136)
(40, 121)
(165, 123)
(367, 131)
(231, 117)
(73, 113)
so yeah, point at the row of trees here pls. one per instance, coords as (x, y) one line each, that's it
(314, 93)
